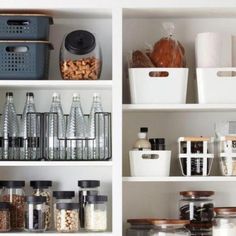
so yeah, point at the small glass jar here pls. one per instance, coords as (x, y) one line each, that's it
(224, 223)
(5, 217)
(13, 193)
(96, 213)
(43, 188)
(61, 197)
(67, 217)
(87, 188)
(139, 227)
(170, 228)
(80, 56)
(198, 207)
(35, 214)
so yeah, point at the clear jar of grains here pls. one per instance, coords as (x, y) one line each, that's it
(5, 217)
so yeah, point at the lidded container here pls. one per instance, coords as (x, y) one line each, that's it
(43, 188)
(35, 214)
(139, 227)
(96, 213)
(67, 217)
(5, 217)
(80, 56)
(197, 206)
(61, 197)
(224, 222)
(87, 188)
(169, 227)
(14, 194)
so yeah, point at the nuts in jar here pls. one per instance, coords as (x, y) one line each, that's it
(5, 217)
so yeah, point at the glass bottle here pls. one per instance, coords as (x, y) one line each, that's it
(142, 143)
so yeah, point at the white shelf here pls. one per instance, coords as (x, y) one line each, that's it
(180, 179)
(178, 107)
(55, 233)
(56, 84)
(57, 163)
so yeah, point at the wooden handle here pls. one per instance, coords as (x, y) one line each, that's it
(196, 139)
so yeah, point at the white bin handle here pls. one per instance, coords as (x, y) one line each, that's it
(158, 74)
(226, 73)
(150, 156)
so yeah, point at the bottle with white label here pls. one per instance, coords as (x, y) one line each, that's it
(142, 143)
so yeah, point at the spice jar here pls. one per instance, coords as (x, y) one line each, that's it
(96, 213)
(5, 217)
(139, 227)
(61, 197)
(87, 188)
(80, 56)
(225, 221)
(67, 217)
(43, 188)
(14, 194)
(168, 227)
(197, 206)
(35, 214)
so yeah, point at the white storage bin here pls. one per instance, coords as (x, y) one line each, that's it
(213, 88)
(150, 163)
(147, 89)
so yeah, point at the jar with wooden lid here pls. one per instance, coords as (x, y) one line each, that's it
(139, 227)
(224, 221)
(169, 227)
(197, 206)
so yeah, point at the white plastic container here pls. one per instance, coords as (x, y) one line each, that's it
(216, 85)
(149, 163)
(171, 89)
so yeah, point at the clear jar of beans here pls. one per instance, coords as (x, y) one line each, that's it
(5, 217)
(13, 193)
(80, 56)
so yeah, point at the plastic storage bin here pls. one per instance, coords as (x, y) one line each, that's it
(149, 163)
(24, 60)
(216, 85)
(24, 26)
(196, 155)
(146, 89)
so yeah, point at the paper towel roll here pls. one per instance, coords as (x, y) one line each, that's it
(213, 50)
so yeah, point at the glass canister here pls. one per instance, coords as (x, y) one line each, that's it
(35, 214)
(96, 213)
(13, 193)
(80, 56)
(169, 227)
(67, 217)
(43, 188)
(224, 223)
(61, 197)
(87, 188)
(139, 227)
(198, 207)
(5, 217)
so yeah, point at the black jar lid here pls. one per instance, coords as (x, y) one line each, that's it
(5, 205)
(157, 140)
(9, 94)
(88, 183)
(144, 129)
(12, 183)
(80, 42)
(30, 94)
(40, 184)
(96, 198)
(67, 206)
(35, 199)
(63, 194)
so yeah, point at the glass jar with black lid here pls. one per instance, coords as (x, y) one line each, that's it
(35, 214)
(87, 188)
(198, 207)
(80, 56)
(13, 192)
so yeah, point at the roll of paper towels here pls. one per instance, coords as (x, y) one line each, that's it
(213, 50)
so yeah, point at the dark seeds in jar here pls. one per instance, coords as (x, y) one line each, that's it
(4, 221)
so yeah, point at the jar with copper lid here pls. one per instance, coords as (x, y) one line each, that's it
(197, 206)
(224, 223)
(139, 227)
(169, 227)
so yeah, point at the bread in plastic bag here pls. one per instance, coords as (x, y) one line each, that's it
(140, 60)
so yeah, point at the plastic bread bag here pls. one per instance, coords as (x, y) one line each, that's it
(168, 51)
(140, 59)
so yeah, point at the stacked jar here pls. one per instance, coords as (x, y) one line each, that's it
(43, 188)
(139, 227)
(13, 192)
(61, 197)
(197, 206)
(87, 188)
